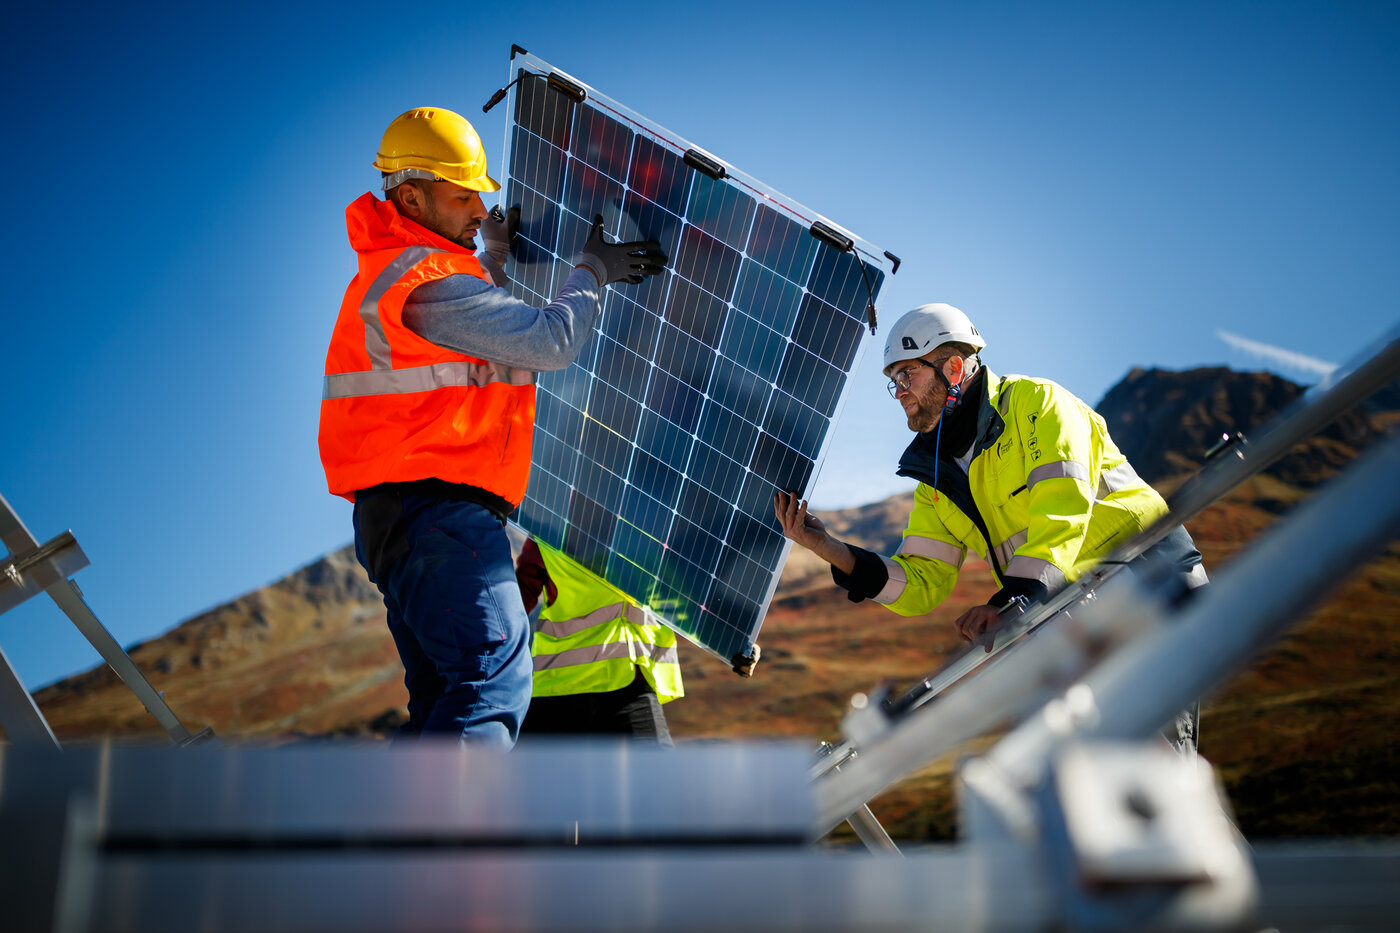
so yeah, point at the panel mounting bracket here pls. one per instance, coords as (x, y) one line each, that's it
(566, 87)
(705, 164)
(832, 237)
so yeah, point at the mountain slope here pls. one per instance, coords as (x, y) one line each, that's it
(1166, 421)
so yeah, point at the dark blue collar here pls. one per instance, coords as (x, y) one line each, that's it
(917, 461)
(922, 463)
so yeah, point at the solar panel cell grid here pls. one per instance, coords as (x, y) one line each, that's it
(767, 297)
(704, 389)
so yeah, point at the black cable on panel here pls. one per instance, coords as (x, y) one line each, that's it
(500, 95)
(556, 81)
(838, 241)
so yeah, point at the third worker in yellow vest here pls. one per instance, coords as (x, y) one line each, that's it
(603, 663)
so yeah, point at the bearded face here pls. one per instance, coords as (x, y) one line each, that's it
(923, 403)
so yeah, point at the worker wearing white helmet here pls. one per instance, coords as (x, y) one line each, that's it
(1015, 469)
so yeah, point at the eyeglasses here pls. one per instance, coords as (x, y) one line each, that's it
(902, 379)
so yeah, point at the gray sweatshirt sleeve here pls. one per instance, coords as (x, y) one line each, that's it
(466, 314)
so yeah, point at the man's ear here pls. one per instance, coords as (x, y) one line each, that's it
(409, 200)
(957, 369)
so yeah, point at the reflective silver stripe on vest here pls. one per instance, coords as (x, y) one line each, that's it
(1071, 468)
(421, 379)
(894, 586)
(1006, 550)
(1034, 568)
(612, 650)
(376, 344)
(381, 378)
(599, 616)
(1123, 476)
(932, 547)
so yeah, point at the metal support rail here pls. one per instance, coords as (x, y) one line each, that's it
(30, 569)
(1253, 602)
(1021, 682)
(1309, 413)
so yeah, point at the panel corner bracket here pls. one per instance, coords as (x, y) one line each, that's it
(566, 87)
(836, 239)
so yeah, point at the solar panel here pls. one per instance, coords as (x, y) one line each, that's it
(705, 388)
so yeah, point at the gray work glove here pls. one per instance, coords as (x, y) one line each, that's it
(498, 232)
(620, 262)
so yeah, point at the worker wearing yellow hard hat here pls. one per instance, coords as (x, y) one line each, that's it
(435, 145)
(427, 415)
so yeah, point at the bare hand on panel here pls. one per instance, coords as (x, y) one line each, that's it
(977, 620)
(801, 526)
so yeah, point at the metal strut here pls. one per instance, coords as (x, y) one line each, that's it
(33, 568)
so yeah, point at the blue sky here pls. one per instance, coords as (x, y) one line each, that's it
(1099, 185)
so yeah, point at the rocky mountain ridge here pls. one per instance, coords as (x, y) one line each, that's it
(1166, 421)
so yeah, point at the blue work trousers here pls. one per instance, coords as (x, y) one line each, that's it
(444, 567)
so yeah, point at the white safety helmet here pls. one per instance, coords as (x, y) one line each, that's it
(926, 328)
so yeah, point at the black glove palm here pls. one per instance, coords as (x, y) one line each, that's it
(620, 262)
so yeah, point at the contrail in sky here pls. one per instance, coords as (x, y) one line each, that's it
(1278, 356)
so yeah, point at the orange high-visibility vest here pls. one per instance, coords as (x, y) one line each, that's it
(396, 407)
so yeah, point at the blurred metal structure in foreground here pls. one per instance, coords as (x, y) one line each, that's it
(1075, 820)
(710, 837)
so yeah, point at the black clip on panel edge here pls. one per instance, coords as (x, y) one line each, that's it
(845, 244)
(517, 50)
(567, 88)
(705, 164)
(831, 237)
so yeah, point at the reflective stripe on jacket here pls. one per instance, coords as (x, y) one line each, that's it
(396, 407)
(1050, 488)
(594, 638)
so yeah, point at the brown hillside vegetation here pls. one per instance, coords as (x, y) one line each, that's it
(1305, 739)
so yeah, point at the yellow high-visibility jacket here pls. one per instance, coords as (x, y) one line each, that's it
(1045, 496)
(593, 637)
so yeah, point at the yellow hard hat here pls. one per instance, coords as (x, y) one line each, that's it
(436, 144)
